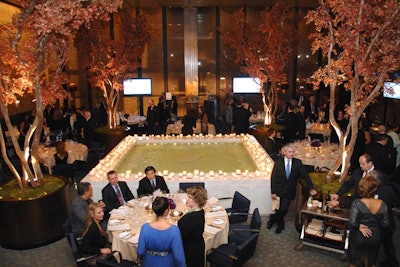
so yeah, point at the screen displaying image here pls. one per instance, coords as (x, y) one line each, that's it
(137, 86)
(391, 90)
(246, 85)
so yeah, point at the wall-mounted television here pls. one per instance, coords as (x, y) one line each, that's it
(137, 86)
(391, 90)
(246, 85)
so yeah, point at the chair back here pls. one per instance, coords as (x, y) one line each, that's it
(74, 245)
(246, 249)
(67, 226)
(184, 186)
(240, 203)
(255, 220)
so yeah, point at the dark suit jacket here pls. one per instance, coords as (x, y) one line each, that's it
(110, 198)
(79, 210)
(352, 183)
(286, 188)
(380, 156)
(272, 148)
(145, 187)
(241, 119)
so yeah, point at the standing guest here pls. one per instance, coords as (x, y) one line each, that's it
(151, 182)
(80, 206)
(152, 117)
(160, 243)
(286, 172)
(301, 118)
(390, 149)
(379, 154)
(163, 115)
(80, 122)
(88, 129)
(115, 193)
(365, 166)
(192, 227)
(241, 116)
(363, 139)
(94, 238)
(367, 216)
(292, 125)
(387, 193)
(393, 132)
(203, 120)
(271, 146)
(174, 107)
(311, 109)
(228, 115)
(189, 122)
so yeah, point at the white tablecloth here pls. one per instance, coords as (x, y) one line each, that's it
(76, 151)
(131, 217)
(319, 128)
(323, 156)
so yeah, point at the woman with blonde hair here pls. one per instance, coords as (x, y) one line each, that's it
(192, 227)
(367, 216)
(94, 237)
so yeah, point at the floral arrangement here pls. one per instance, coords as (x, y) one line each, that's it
(172, 204)
(316, 143)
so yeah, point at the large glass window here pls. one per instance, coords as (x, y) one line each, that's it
(207, 52)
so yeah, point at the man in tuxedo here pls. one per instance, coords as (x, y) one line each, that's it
(115, 193)
(366, 165)
(241, 115)
(152, 117)
(271, 146)
(151, 182)
(380, 154)
(286, 172)
(79, 208)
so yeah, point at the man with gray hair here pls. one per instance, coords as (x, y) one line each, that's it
(286, 172)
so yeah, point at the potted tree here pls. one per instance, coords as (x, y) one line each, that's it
(109, 59)
(360, 41)
(34, 50)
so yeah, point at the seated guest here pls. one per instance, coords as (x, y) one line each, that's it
(151, 182)
(60, 162)
(79, 208)
(189, 122)
(94, 237)
(192, 227)
(115, 193)
(160, 243)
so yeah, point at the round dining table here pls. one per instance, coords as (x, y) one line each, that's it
(124, 225)
(76, 151)
(317, 154)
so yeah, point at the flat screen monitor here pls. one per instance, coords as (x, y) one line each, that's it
(137, 86)
(391, 90)
(246, 85)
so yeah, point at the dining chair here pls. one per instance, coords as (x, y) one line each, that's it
(239, 210)
(238, 233)
(115, 260)
(184, 186)
(233, 255)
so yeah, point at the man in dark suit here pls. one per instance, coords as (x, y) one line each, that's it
(286, 172)
(115, 193)
(311, 109)
(271, 146)
(151, 182)
(152, 118)
(366, 165)
(380, 154)
(79, 208)
(241, 115)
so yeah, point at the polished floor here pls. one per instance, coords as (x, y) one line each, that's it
(272, 250)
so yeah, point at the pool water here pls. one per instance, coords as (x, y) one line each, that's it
(187, 156)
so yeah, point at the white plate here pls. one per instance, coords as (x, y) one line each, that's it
(218, 221)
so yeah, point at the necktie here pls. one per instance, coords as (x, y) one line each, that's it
(153, 183)
(287, 169)
(119, 195)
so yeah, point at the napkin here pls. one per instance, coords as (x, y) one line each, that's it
(134, 239)
(211, 230)
(217, 208)
(119, 227)
(212, 201)
(118, 211)
(221, 213)
(124, 234)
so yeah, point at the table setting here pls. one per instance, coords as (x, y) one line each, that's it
(316, 153)
(124, 225)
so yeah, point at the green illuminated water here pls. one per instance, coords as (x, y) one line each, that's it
(188, 156)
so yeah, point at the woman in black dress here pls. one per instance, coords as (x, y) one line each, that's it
(192, 227)
(94, 237)
(367, 216)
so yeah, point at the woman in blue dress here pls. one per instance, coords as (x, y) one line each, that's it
(160, 243)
